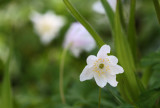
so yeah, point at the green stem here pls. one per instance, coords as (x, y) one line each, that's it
(61, 75)
(99, 103)
(157, 8)
(77, 15)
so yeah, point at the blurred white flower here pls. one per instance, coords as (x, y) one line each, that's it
(78, 39)
(4, 50)
(4, 53)
(103, 68)
(47, 26)
(98, 7)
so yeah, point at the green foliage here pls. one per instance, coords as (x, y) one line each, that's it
(32, 78)
(109, 12)
(127, 80)
(6, 93)
(77, 15)
(157, 8)
(149, 98)
(151, 59)
(132, 29)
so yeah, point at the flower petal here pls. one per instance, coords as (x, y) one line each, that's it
(75, 51)
(111, 79)
(86, 74)
(103, 51)
(101, 80)
(91, 59)
(113, 60)
(116, 70)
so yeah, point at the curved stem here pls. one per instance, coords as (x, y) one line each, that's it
(99, 103)
(77, 15)
(61, 75)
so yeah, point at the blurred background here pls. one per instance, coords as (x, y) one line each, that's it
(34, 65)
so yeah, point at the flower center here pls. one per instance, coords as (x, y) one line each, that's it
(101, 66)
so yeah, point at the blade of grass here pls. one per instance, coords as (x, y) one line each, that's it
(109, 12)
(128, 84)
(157, 8)
(132, 29)
(6, 86)
(146, 76)
(122, 15)
(77, 15)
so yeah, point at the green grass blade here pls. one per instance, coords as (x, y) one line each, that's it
(157, 8)
(132, 29)
(128, 85)
(6, 87)
(122, 19)
(109, 12)
(77, 15)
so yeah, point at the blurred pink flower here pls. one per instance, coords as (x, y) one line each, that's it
(78, 39)
(47, 26)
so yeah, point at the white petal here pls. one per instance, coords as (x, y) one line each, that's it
(103, 51)
(100, 80)
(116, 70)
(91, 59)
(80, 38)
(113, 4)
(86, 74)
(75, 51)
(111, 79)
(113, 60)
(98, 7)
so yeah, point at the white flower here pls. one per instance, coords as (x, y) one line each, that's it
(47, 26)
(98, 7)
(4, 52)
(103, 68)
(78, 39)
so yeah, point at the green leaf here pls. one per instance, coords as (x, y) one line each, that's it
(152, 63)
(151, 59)
(132, 29)
(128, 83)
(109, 12)
(77, 15)
(122, 19)
(148, 98)
(6, 87)
(157, 8)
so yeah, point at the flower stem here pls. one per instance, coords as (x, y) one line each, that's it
(99, 103)
(90, 29)
(61, 74)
